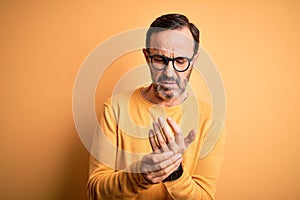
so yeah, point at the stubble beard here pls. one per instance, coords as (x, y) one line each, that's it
(167, 93)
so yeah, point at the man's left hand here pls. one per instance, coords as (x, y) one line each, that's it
(162, 139)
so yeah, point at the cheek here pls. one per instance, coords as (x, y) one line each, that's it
(187, 75)
(155, 75)
(184, 78)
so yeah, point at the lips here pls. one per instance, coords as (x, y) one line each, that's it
(168, 84)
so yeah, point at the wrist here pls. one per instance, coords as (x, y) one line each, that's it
(175, 175)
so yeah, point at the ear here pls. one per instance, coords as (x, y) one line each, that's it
(146, 54)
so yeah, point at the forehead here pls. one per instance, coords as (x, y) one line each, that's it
(178, 41)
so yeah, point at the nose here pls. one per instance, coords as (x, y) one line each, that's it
(169, 70)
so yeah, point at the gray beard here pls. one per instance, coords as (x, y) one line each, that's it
(163, 94)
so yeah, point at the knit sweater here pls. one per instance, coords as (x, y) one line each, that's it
(122, 140)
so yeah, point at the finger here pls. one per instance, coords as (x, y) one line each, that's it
(169, 136)
(166, 130)
(190, 138)
(164, 164)
(154, 158)
(153, 143)
(169, 169)
(153, 162)
(177, 131)
(160, 139)
(162, 174)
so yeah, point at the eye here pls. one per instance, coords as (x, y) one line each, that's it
(159, 59)
(181, 60)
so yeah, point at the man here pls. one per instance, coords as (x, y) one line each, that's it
(149, 142)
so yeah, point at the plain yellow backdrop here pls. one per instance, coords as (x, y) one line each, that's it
(255, 45)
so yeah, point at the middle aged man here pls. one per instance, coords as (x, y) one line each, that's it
(151, 138)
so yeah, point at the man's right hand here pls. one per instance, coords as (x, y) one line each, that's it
(155, 167)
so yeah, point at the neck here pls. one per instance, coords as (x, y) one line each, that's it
(151, 95)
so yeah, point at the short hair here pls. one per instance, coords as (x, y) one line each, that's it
(173, 21)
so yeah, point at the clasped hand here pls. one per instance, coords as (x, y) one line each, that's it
(168, 149)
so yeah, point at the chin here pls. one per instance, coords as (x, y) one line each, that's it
(168, 94)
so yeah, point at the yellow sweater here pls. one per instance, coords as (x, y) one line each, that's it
(125, 121)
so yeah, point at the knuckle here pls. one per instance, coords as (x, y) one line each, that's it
(155, 180)
(146, 170)
(165, 149)
(170, 137)
(154, 159)
(177, 157)
(165, 171)
(161, 166)
(156, 150)
(149, 176)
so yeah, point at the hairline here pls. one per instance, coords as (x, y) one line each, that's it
(160, 29)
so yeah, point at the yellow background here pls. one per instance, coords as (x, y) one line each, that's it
(255, 45)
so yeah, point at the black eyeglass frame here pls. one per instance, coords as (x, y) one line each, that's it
(167, 60)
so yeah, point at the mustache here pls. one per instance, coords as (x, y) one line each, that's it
(163, 78)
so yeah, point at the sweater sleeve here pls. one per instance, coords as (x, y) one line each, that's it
(105, 182)
(203, 182)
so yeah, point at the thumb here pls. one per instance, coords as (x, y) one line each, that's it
(190, 138)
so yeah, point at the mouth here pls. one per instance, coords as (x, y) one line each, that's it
(168, 84)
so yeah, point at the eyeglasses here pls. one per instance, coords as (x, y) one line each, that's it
(160, 62)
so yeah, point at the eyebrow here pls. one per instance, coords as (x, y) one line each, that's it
(163, 52)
